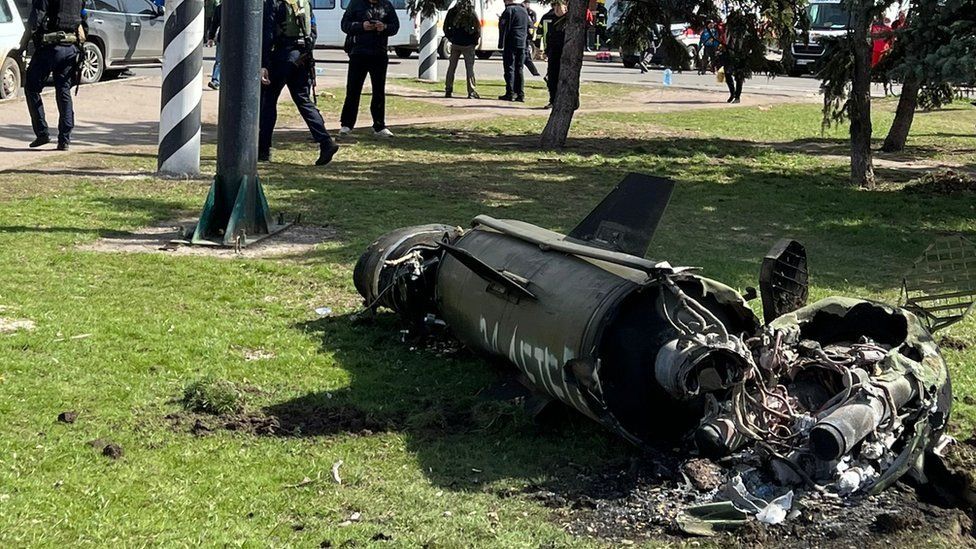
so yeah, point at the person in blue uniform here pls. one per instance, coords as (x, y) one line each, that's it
(286, 60)
(57, 29)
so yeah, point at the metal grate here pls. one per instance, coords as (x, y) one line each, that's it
(941, 285)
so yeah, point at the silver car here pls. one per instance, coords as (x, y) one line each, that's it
(121, 34)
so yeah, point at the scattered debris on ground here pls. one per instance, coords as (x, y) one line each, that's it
(294, 242)
(107, 448)
(942, 183)
(644, 499)
(68, 417)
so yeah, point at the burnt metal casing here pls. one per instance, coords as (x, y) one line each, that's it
(590, 333)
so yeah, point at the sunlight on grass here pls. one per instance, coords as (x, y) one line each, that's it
(119, 337)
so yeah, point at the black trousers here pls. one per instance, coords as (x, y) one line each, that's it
(552, 73)
(734, 80)
(59, 60)
(359, 67)
(529, 63)
(284, 71)
(513, 60)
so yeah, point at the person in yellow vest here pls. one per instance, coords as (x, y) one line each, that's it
(286, 60)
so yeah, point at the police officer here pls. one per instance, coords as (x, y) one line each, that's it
(286, 60)
(58, 29)
(513, 35)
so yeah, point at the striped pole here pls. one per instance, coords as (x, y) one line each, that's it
(428, 48)
(179, 115)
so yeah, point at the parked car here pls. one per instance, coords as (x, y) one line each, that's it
(328, 18)
(11, 31)
(488, 12)
(122, 34)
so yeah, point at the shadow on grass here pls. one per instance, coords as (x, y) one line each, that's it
(460, 415)
(732, 202)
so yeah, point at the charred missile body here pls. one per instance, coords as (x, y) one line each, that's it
(650, 350)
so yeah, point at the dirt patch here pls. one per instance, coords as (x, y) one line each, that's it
(294, 242)
(107, 448)
(287, 420)
(954, 343)
(638, 501)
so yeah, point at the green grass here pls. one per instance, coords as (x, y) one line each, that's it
(155, 323)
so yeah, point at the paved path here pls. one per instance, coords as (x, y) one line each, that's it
(125, 112)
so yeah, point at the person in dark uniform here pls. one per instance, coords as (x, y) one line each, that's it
(368, 25)
(513, 32)
(58, 29)
(530, 40)
(554, 28)
(286, 60)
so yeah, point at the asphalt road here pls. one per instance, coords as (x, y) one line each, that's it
(334, 61)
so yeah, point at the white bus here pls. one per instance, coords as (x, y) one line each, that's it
(328, 18)
(488, 13)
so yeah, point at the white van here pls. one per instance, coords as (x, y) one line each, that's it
(488, 12)
(11, 31)
(328, 20)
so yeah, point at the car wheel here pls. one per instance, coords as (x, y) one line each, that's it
(444, 49)
(92, 63)
(403, 53)
(10, 73)
(484, 54)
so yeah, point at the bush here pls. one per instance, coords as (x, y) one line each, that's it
(213, 396)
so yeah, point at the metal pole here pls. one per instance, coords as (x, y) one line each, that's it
(428, 48)
(179, 115)
(236, 212)
(240, 99)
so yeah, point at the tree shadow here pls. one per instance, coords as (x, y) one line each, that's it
(732, 201)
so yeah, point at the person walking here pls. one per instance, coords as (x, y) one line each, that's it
(530, 40)
(58, 29)
(554, 27)
(368, 25)
(708, 44)
(513, 32)
(463, 29)
(213, 39)
(286, 60)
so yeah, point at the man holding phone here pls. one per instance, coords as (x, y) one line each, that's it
(368, 24)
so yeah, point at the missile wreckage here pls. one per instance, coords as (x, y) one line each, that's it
(842, 394)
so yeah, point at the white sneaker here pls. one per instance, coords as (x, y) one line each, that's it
(385, 132)
(345, 130)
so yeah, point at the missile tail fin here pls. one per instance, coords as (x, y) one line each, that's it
(626, 219)
(501, 281)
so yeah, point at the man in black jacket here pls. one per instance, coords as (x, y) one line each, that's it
(513, 32)
(554, 28)
(463, 29)
(57, 28)
(368, 24)
(286, 57)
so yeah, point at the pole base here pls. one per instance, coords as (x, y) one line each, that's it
(235, 225)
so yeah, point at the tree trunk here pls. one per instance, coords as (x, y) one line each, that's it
(904, 115)
(862, 169)
(567, 95)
